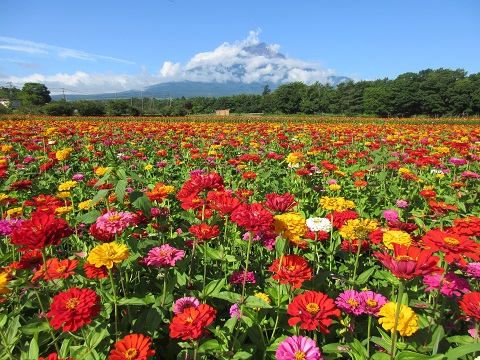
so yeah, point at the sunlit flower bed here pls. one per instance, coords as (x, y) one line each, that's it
(261, 238)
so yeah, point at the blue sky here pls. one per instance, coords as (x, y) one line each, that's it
(96, 46)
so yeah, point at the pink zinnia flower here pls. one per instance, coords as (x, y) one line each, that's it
(298, 347)
(183, 303)
(238, 277)
(164, 255)
(114, 222)
(402, 203)
(349, 302)
(457, 161)
(371, 302)
(453, 285)
(390, 215)
(473, 269)
(235, 312)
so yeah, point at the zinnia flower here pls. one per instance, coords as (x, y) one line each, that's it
(358, 228)
(191, 323)
(371, 302)
(280, 203)
(183, 303)
(410, 262)
(132, 347)
(319, 224)
(455, 247)
(470, 305)
(396, 236)
(253, 217)
(336, 204)
(312, 309)
(204, 231)
(290, 225)
(451, 285)
(114, 222)
(298, 347)
(349, 302)
(239, 277)
(60, 269)
(407, 319)
(108, 254)
(73, 308)
(42, 230)
(92, 272)
(164, 255)
(293, 270)
(4, 279)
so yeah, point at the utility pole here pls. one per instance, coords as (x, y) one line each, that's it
(10, 83)
(63, 89)
(141, 95)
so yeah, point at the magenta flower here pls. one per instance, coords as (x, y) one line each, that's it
(349, 302)
(7, 226)
(114, 222)
(473, 269)
(78, 177)
(390, 215)
(164, 255)
(457, 161)
(183, 303)
(298, 347)
(238, 277)
(402, 203)
(235, 312)
(371, 302)
(453, 285)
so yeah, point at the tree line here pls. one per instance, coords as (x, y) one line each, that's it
(433, 93)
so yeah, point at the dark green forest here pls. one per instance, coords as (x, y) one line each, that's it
(429, 93)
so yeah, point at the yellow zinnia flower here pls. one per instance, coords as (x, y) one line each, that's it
(15, 211)
(396, 236)
(63, 154)
(291, 225)
(3, 196)
(148, 167)
(407, 319)
(108, 254)
(4, 277)
(63, 194)
(67, 185)
(63, 210)
(336, 204)
(358, 228)
(264, 297)
(100, 171)
(334, 187)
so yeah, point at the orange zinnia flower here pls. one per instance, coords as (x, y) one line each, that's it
(132, 347)
(312, 309)
(455, 247)
(293, 270)
(192, 322)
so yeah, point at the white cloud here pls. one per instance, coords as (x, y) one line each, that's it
(228, 62)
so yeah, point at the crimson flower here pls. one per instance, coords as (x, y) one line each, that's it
(312, 309)
(204, 231)
(280, 203)
(42, 230)
(222, 201)
(132, 347)
(253, 217)
(73, 308)
(339, 218)
(409, 262)
(101, 234)
(455, 247)
(191, 323)
(293, 270)
(470, 305)
(93, 272)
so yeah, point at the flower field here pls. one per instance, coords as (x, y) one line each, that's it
(239, 238)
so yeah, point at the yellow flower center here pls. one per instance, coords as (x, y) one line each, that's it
(371, 303)
(114, 218)
(403, 257)
(72, 303)
(299, 355)
(130, 354)
(189, 320)
(352, 302)
(290, 267)
(451, 241)
(61, 269)
(312, 308)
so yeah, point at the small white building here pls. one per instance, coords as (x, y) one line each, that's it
(11, 103)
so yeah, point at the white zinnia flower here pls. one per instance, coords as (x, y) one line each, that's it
(319, 224)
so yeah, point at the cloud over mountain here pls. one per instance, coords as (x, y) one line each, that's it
(247, 61)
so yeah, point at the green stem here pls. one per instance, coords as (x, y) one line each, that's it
(356, 261)
(45, 317)
(401, 289)
(369, 328)
(110, 273)
(249, 248)
(164, 287)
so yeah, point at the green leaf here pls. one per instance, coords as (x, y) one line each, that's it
(210, 346)
(104, 177)
(88, 218)
(280, 244)
(12, 330)
(213, 288)
(141, 201)
(229, 296)
(380, 356)
(33, 349)
(120, 190)
(100, 194)
(437, 336)
(34, 328)
(135, 301)
(95, 337)
(410, 355)
(457, 353)
(364, 276)
(256, 302)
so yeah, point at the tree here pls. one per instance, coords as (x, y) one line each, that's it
(90, 107)
(58, 108)
(35, 94)
(9, 92)
(266, 90)
(288, 97)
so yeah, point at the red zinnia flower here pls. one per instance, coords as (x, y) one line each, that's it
(253, 217)
(192, 322)
(73, 308)
(21, 185)
(249, 175)
(280, 203)
(312, 309)
(409, 262)
(470, 305)
(339, 218)
(60, 269)
(53, 356)
(222, 201)
(293, 270)
(204, 231)
(428, 194)
(132, 347)
(455, 247)
(31, 259)
(468, 226)
(101, 234)
(93, 272)
(42, 230)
